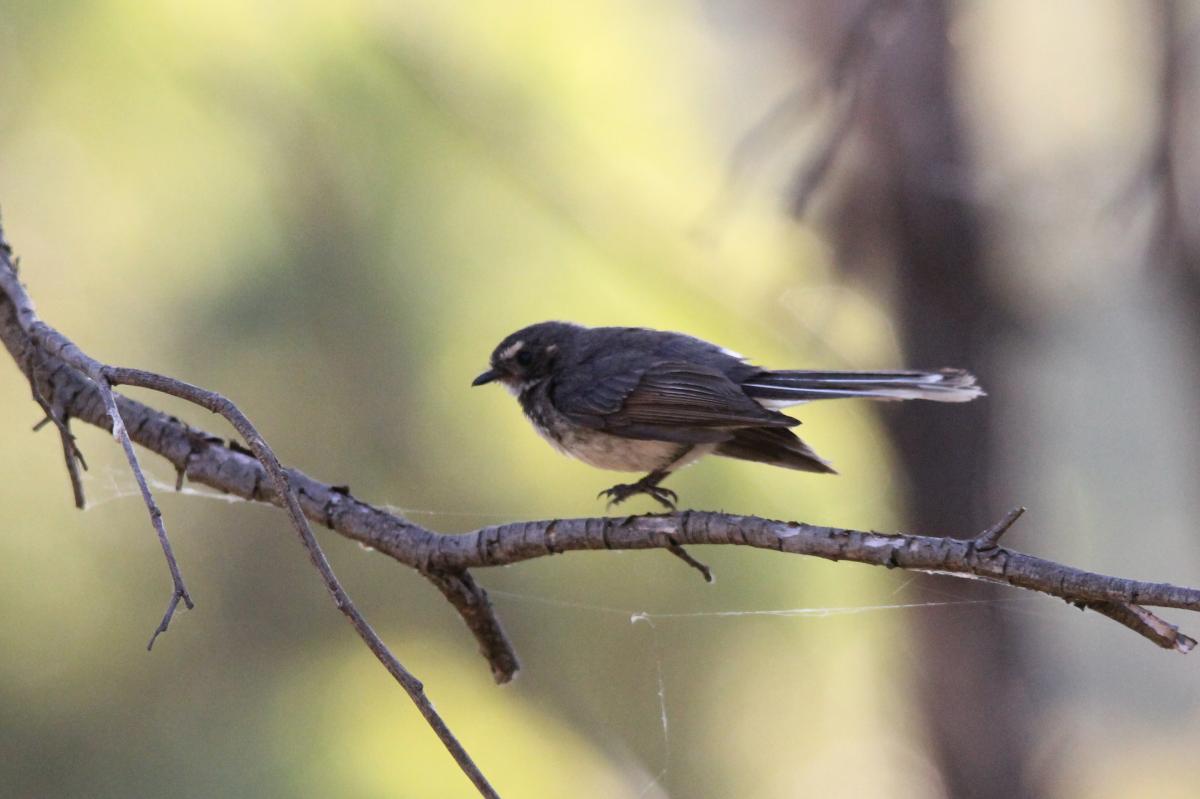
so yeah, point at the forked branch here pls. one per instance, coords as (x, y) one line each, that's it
(50, 356)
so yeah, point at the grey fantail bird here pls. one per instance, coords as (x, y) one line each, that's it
(640, 400)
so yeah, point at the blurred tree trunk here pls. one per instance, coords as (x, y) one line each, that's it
(1175, 247)
(906, 206)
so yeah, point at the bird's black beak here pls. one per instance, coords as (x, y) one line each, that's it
(486, 377)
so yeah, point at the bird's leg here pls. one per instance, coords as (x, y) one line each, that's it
(647, 485)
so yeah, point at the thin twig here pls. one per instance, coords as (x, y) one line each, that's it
(166, 619)
(473, 604)
(990, 537)
(1145, 623)
(122, 435)
(71, 454)
(685, 556)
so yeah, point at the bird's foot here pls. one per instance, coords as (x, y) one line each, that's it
(619, 493)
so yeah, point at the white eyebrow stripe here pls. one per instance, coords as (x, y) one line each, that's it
(511, 350)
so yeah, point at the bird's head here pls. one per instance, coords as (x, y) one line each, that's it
(528, 355)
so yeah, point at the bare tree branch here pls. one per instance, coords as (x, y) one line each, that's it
(63, 377)
(445, 559)
(49, 342)
(506, 544)
(52, 345)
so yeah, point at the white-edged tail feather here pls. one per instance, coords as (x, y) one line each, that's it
(780, 389)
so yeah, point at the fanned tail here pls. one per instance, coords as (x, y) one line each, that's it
(779, 389)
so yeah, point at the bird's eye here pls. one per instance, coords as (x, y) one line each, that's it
(524, 358)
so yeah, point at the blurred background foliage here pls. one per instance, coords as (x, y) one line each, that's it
(331, 212)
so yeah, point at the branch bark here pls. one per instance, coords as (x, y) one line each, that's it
(42, 344)
(79, 388)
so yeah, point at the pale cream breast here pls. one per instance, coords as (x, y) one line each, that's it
(606, 451)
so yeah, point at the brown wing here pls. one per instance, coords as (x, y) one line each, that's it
(671, 401)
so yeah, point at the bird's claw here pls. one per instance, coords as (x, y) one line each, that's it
(619, 493)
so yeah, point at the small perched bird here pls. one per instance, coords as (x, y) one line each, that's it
(639, 400)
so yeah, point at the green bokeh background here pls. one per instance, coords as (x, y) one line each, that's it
(330, 212)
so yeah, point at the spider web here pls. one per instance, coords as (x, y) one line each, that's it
(113, 484)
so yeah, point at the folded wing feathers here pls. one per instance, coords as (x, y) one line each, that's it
(687, 396)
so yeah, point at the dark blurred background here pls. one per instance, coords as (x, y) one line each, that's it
(332, 212)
